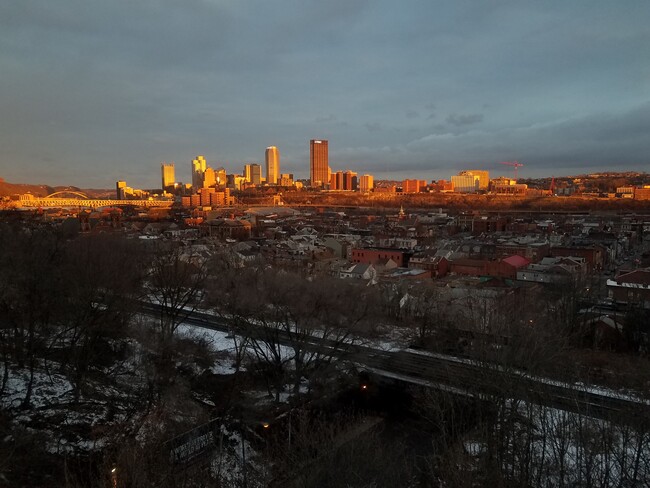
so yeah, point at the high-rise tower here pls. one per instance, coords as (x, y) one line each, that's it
(168, 175)
(318, 162)
(199, 165)
(253, 173)
(272, 165)
(366, 183)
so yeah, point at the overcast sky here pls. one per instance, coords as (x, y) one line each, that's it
(96, 91)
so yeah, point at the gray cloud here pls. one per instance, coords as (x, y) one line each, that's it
(464, 119)
(94, 92)
(327, 118)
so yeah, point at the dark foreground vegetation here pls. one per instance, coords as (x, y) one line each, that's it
(96, 393)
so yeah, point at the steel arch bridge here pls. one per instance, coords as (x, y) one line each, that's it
(59, 194)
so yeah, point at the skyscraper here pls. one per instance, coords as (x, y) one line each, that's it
(350, 180)
(318, 162)
(168, 175)
(272, 165)
(120, 189)
(253, 173)
(199, 166)
(209, 178)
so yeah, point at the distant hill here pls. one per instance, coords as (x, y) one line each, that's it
(8, 189)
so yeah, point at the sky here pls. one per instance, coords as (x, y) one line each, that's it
(95, 91)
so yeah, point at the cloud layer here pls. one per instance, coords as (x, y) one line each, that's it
(91, 92)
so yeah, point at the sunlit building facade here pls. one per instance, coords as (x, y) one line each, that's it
(465, 183)
(286, 179)
(272, 165)
(199, 165)
(120, 190)
(209, 178)
(253, 174)
(350, 180)
(413, 186)
(366, 183)
(318, 163)
(483, 177)
(168, 175)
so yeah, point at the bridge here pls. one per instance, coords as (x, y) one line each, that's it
(56, 200)
(461, 376)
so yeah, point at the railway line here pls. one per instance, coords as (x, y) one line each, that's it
(482, 380)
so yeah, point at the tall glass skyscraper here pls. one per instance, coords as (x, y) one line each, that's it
(318, 163)
(272, 165)
(199, 165)
(168, 175)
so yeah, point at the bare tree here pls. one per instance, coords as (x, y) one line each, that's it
(176, 281)
(32, 286)
(99, 299)
(287, 319)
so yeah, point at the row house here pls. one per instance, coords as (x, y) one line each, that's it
(359, 271)
(380, 256)
(226, 229)
(631, 288)
(488, 225)
(532, 251)
(398, 242)
(501, 268)
(436, 263)
(554, 270)
(594, 255)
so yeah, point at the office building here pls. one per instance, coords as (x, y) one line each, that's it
(209, 178)
(205, 196)
(366, 183)
(413, 186)
(336, 180)
(199, 165)
(272, 165)
(483, 177)
(465, 183)
(350, 181)
(286, 179)
(318, 163)
(120, 190)
(221, 177)
(253, 173)
(168, 175)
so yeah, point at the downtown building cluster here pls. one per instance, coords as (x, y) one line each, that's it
(321, 175)
(214, 186)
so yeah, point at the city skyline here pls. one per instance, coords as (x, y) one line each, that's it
(97, 93)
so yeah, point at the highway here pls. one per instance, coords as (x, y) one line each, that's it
(461, 376)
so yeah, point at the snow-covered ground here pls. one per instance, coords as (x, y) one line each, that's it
(68, 426)
(558, 448)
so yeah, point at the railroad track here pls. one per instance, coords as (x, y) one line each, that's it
(473, 378)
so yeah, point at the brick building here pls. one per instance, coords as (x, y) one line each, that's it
(631, 288)
(379, 256)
